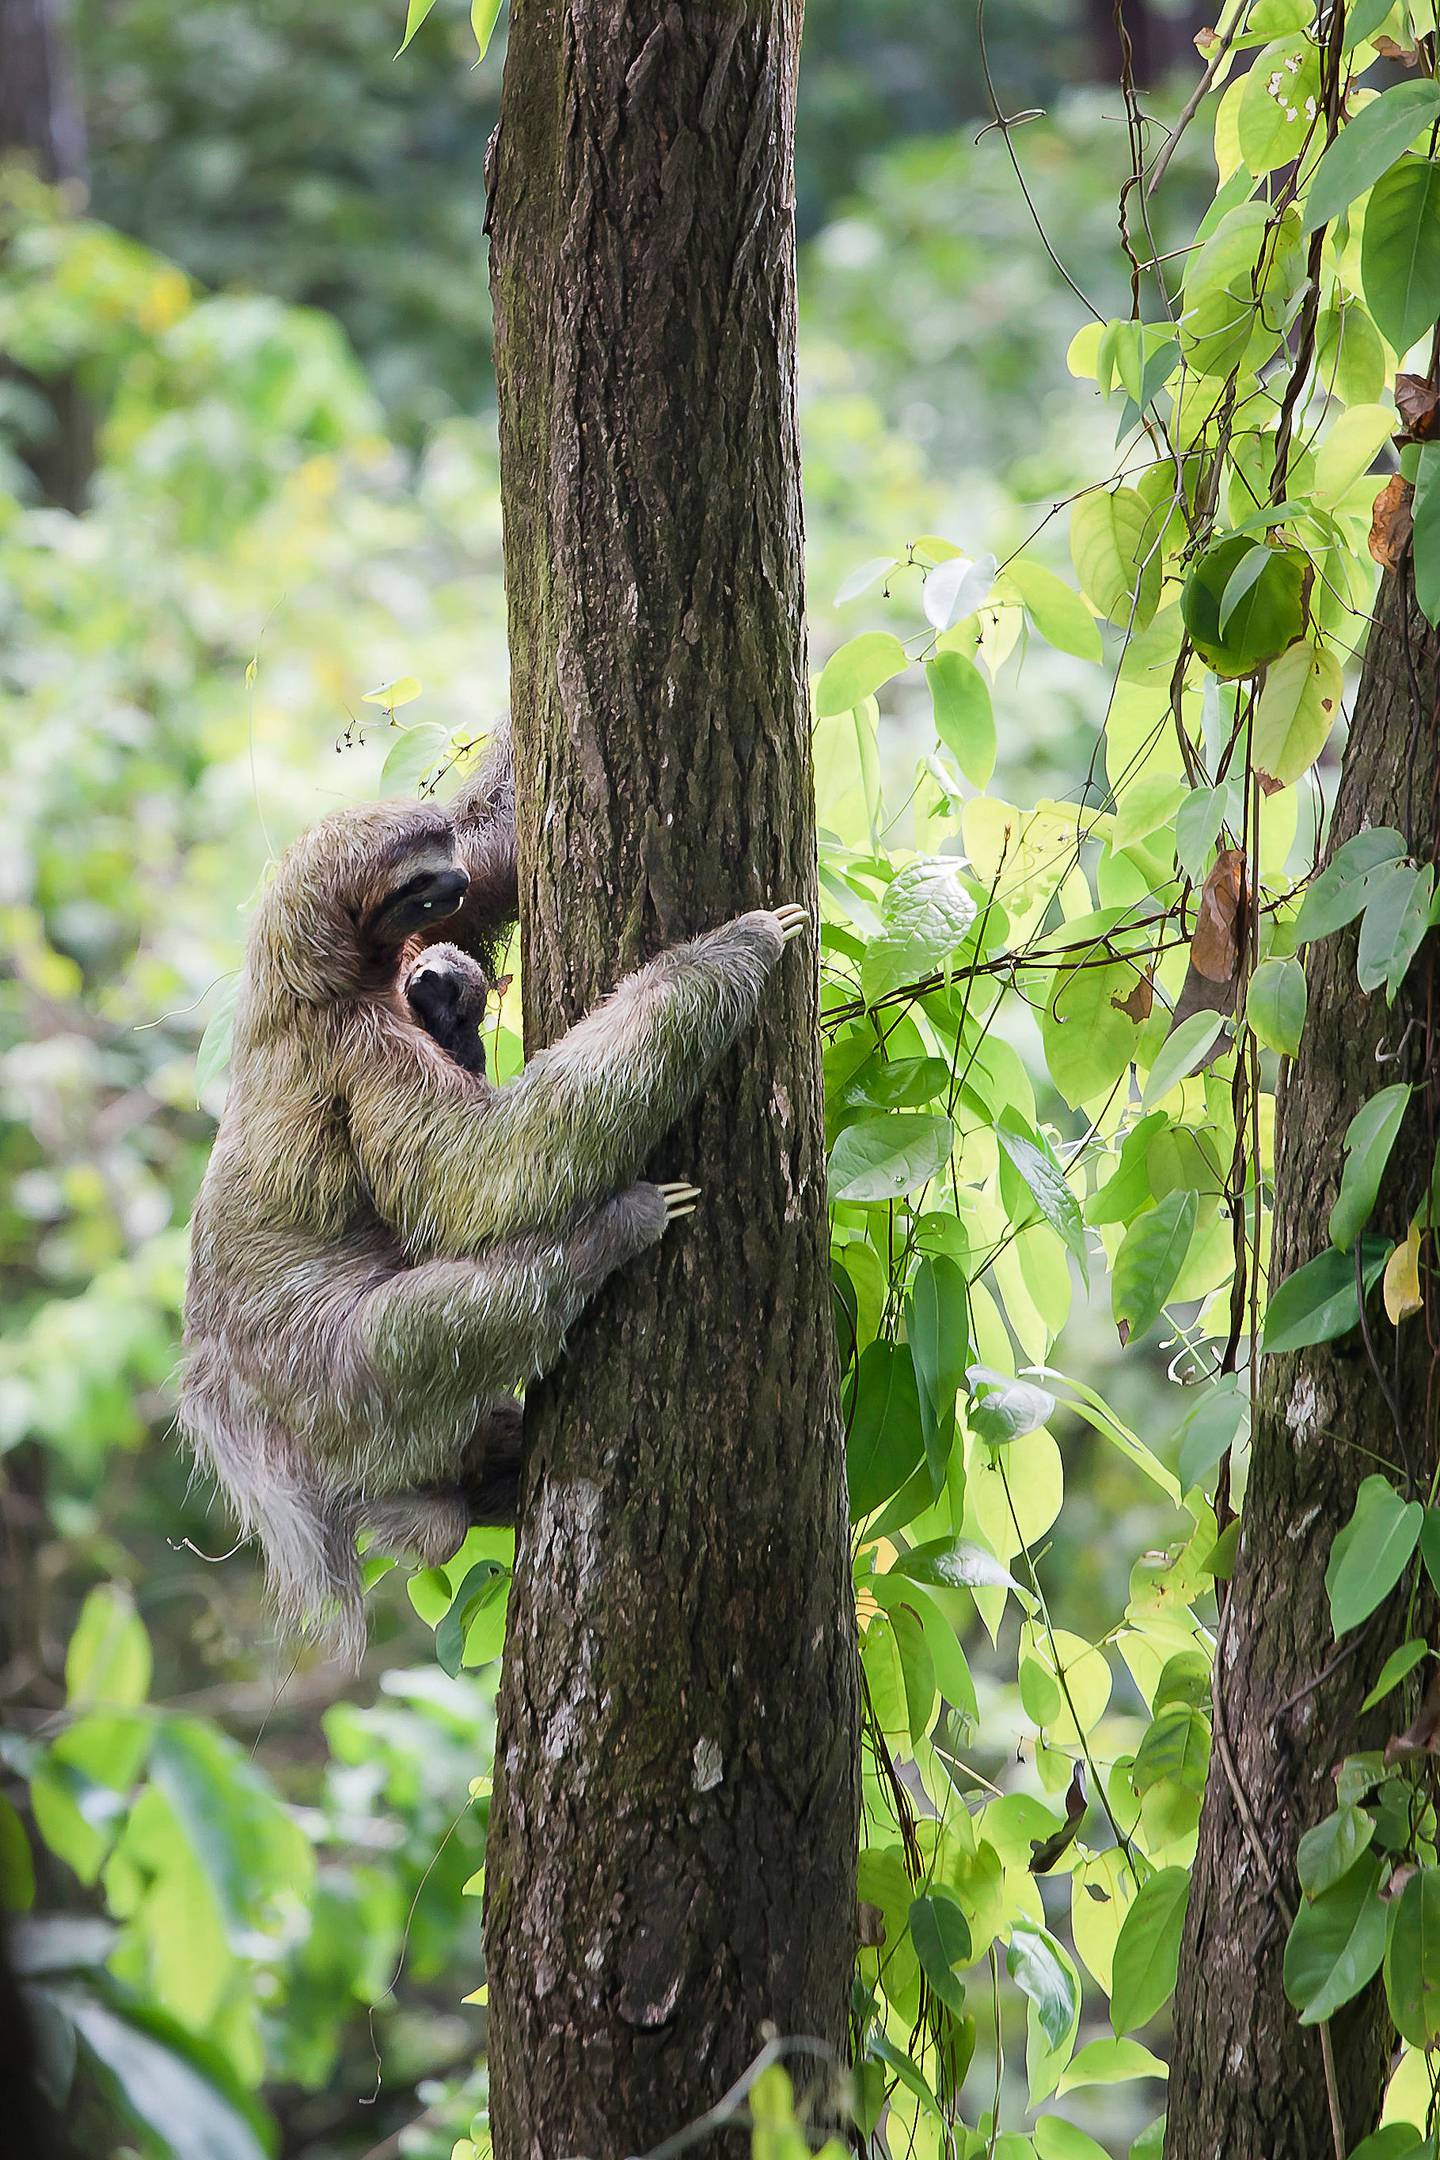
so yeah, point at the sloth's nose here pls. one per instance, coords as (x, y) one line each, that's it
(445, 891)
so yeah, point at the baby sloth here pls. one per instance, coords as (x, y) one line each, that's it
(386, 1245)
(447, 992)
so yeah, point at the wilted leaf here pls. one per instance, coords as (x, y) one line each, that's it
(1141, 1001)
(1401, 1289)
(1422, 1735)
(1044, 1852)
(1391, 523)
(1417, 400)
(1215, 946)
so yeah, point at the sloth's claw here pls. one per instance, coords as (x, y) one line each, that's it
(794, 921)
(680, 1199)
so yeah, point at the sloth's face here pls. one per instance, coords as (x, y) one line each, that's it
(423, 886)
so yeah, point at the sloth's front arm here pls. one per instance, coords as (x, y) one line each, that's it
(453, 1166)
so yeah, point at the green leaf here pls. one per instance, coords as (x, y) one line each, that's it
(937, 1328)
(1298, 708)
(1369, 1138)
(1210, 1430)
(928, 910)
(941, 1935)
(1331, 1849)
(1275, 1005)
(1340, 891)
(1412, 1960)
(405, 688)
(1425, 539)
(1371, 1553)
(1318, 1303)
(1366, 147)
(484, 14)
(1249, 568)
(1399, 1663)
(1057, 2139)
(1362, 19)
(917, 1668)
(1114, 544)
(415, 752)
(1147, 1951)
(1144, 806)
(1182, 1050)
(886, 1441)
(1110, 2062)
(164, 2078)
(1184, 1678)
(1176, 1748)
(17, 1868)
(964, 715)
(1044, 1179)
(1336, 1944)
(1397, 915)
(1148, 1263)
(1058, 613)
(1396, 2140)
(107, 1663)
(856, 671)
(884, 1158)
(1276, 114)
(1400, 251)
(1265, 621)
(484, 1581)
(1349, 448)
(899, 1084)
(1033, 1963)
(957, 1565)
(247, 1842)
(955, 588)
(1002, 1410)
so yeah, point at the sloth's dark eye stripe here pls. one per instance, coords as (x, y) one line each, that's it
(408, 890)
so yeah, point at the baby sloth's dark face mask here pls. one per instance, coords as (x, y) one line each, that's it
(447, 993)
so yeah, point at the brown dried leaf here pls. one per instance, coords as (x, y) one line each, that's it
(1044, 1852)
(1139, 1003)
(1215, 947)
(1418, 404)
(1407, 55)
(1391, 523)
(1423, 1737)
(870, 1926)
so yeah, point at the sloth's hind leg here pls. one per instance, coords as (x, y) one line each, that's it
(431, 1521)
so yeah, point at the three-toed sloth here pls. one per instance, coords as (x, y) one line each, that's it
(386, 1246)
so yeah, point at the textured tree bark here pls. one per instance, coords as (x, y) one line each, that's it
(41, 122)
(671, 1864)
(1247, 2081)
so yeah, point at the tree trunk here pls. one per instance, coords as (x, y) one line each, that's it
(41, 122)
(39, 117)
(671, 1864)
(1247, 2080)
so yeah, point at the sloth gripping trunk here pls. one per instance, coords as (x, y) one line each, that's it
(670, 1875)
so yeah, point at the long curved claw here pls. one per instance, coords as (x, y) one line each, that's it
(794, 921)
(680, 1198)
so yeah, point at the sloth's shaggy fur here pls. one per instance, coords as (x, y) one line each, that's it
(386, 1246)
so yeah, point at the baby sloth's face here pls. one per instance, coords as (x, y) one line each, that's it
(447, 991)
